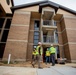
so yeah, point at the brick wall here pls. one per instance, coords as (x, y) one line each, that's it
(18, 36)
(70, 22)
(30, 40)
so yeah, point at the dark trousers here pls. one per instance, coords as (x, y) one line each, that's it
(38, 60)
(47, 59)
(33, 58)
(53, 58)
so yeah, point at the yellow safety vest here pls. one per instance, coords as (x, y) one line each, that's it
(52, 50)
(47, 53)
(37, 50)
(34, 53)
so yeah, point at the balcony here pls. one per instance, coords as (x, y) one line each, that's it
(47, 22)
(47, 40)
(48, 25)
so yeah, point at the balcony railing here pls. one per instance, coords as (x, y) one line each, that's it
(48, 22)
(49, 39)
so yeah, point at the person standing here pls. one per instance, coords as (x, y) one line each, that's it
(47, 55)
(38, 55)
(33, 55)
(52, 51)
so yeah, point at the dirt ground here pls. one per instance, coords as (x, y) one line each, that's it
(23, 64)
(28, 64)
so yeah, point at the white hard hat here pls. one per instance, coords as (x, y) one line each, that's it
(39, 43)
(34, 46)
(51, 44)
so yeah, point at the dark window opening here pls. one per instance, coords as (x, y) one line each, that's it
(0, 11)
(8, 23)
(2, 47)
(1, 22)
(4, 36)
(44, 52)
(0, 31)
(58, 52)
(36, 26)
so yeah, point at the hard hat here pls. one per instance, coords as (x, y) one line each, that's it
(39, 43)
(51, 44)
(34, 46)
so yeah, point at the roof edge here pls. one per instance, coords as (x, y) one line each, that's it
(27, 5)
(53, 5)
(67, 9)
(43, 4)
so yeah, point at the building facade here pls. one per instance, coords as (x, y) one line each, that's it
(43, 21)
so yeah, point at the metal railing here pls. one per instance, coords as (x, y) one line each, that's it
(48, 22)
(49, 39)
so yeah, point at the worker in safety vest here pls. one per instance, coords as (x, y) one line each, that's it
(52, 51)
(33, 55)
(38, 55)
(47, 55)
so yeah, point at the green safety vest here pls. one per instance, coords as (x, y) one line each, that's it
(37, 52)
(52, 50)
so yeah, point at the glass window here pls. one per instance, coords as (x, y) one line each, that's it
(36, 37)
(36, 41)
(36, 33)
(55, 24)
(36, 28)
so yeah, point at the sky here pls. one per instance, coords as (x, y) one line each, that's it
(67, 3)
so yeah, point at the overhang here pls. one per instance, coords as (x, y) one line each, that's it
(43, 4)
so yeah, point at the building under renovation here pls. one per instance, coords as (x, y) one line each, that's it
(43, 21)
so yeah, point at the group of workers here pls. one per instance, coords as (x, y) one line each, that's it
(37, 55)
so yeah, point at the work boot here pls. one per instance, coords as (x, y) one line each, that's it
(40, 67)
(33, 65)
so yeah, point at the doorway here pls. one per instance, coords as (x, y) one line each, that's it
(57, 55)
(2, 47)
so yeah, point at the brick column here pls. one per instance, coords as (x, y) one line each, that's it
(60, 39)
(70, 23)
(18, 36)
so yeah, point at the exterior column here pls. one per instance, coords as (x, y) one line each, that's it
(70, 45)
(18, 36)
